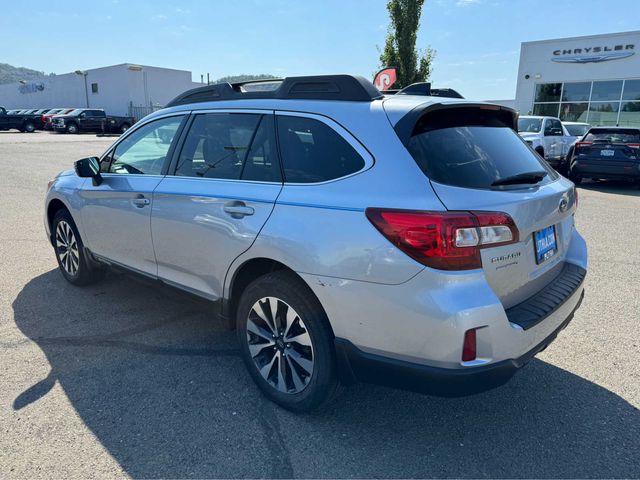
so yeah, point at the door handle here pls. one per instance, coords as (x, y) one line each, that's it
(238, 209)
(141, 201)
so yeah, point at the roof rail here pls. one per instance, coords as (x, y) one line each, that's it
(424, 88)
(350, 88)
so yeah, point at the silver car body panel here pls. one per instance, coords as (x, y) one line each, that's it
(375, 296)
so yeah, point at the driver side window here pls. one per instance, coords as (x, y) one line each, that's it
(144, 151)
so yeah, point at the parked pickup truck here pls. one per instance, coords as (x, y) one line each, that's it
(548, 137)
(24, 123)
(91, 120)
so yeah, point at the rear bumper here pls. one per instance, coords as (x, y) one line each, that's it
(357, 365)
(629, 171)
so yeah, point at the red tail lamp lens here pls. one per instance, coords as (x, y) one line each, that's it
(444, 240)
(469, 346)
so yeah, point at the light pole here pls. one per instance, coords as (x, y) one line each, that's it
(26, 91)
(86, 90)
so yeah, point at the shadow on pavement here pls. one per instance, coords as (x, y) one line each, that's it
(162, 388)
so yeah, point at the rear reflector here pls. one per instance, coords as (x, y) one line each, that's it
(469, 346)
(444, 240)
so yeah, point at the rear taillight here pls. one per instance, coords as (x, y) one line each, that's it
(43, 118)
(469, 346)
(444, 240)
(633, 145)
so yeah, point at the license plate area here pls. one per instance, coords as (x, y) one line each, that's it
(607, 153)
(545, 244)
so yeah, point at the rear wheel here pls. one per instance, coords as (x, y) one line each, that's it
(72, 259)
(286, 342)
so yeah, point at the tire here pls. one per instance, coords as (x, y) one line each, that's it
(72, 128)
(310, 377)
(29, 127)
(75, 265)
(124, 127)
(575, 179)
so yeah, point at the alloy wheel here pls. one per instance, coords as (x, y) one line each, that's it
(280, 345)
(67, 248)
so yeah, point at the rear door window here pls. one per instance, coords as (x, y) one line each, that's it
(232, 146)
(472, 155)
(314, 152)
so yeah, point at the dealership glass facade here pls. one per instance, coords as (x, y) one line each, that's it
(611, 102)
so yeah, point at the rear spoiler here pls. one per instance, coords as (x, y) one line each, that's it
(430, 116)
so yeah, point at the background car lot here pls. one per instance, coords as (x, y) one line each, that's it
(125, 378)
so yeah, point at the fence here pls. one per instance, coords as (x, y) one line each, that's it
(139, 111)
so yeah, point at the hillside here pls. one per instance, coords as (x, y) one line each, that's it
(11, 74)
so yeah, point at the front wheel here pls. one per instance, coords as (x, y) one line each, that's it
(124, 127)
(70, 253)
(29, 127)
(72, 128)
(286, 342)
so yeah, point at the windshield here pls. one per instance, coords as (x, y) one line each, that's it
(613, 135)
(474, 156)
(75, 112)
(531, 125)
(576, 130)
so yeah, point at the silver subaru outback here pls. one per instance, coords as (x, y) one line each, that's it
(409, 240)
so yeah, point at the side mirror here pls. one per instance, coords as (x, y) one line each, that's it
(89, 168)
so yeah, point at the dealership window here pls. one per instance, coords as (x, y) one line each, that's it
(610, 90)
(574, 112)
(609, 103)
(630, 114)
(94, 88)
(604, 113)
(576, 92)
(548, 92)
(631, 90)
(546, 109)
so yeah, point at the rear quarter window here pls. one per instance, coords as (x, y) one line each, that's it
(470, 150)
(313, 152)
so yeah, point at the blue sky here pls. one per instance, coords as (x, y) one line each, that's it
(477, 41)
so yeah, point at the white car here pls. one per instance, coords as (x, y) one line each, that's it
(577, 129)
(548, 137)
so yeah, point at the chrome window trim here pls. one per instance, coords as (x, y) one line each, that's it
(348, 137)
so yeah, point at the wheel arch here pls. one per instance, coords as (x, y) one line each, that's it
(53, 207)
(248, 271)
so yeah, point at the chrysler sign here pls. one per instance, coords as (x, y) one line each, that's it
(593, 54)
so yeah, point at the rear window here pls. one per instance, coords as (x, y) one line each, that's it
(531, 125)
(474, 156)
(576, 130)
(613, 135)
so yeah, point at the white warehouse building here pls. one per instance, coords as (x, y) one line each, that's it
(125, 89)
(593, 79)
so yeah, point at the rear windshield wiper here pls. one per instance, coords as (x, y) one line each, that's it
(528, 177)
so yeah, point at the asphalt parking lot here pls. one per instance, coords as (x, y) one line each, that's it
(124, 379)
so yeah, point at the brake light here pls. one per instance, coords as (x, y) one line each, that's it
(633, 145)
(444, 240)
(469, 346)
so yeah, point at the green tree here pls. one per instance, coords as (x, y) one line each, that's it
(400, 50)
